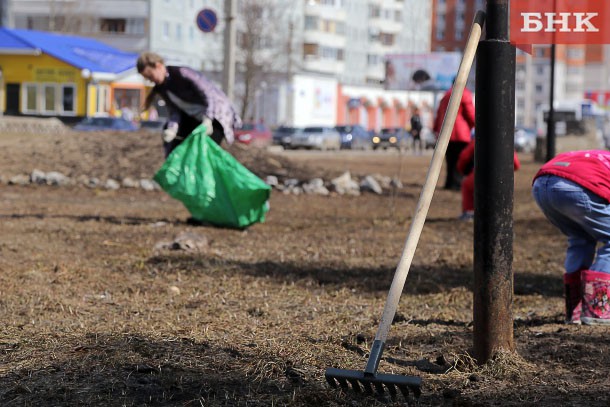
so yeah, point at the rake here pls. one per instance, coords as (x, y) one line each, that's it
(369, 381)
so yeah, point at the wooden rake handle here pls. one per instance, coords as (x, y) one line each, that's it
(431, 180)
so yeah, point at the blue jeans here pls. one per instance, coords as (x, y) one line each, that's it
(582, 216)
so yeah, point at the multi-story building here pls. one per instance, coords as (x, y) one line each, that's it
(451, 22)
(349, 39)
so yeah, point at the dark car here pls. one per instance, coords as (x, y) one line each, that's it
(396, 137)
(253, 133)
(282, 136)
(105, 123)
(354, 137)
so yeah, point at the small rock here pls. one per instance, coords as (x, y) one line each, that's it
(396, 183)
(112, 184)
(129, 182)
(147, 185)
(57, 178)
(271, 180)
(369, 183)
(187, 241)
(20, 179)
(344, 184)
(291, 182)
(174, 290)
(93, 182)
(38, 177)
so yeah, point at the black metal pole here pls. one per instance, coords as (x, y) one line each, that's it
(494, 184)
(550, 124)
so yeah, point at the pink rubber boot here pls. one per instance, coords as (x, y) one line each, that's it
(573, 296)
(595, 298)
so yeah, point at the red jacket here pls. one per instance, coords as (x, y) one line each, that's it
(464, 122)
(589, 169)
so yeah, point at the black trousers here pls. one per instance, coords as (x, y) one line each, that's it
(453, 179)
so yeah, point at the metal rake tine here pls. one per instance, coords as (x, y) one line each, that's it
(343, 384)
(368, 389)
(379, 388)
(355, 385)
(331, 382)
(405, 391)
(392, 390)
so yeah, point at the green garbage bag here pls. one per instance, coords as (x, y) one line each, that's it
(212, 184)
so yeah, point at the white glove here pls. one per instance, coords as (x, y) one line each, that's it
(209, 128)
(170, 133)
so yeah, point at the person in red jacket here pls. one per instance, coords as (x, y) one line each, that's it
(465, 166)
(460, 137)
(573, 192)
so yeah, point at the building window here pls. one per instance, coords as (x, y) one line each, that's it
(135, 26)
(386, 39)
(310, 49)
(440, 34)
(339, 28)
(30, 98)
(113, 25)
(165, 30)
(311, 23)
(576, 53)
(178, 32)
(48, 98)
(68, 98)
(191, 33)
(372, 59)
(538, 88)
(374, 11)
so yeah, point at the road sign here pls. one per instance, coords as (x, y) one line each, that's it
(207, 20)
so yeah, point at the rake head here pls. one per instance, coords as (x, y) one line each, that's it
(370, 384)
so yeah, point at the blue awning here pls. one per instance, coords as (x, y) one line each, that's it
(80, 52)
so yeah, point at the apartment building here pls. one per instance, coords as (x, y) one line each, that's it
(451, 22)
(532, 79)
(349, 39)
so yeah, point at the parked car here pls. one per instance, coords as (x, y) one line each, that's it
(525, 140)
(105, 123)
(253, 133)
(152, 125)
(354, 137)
(396, 137)
(318, 137)
(282, 136)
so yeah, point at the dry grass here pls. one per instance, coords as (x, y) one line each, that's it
(92, 315)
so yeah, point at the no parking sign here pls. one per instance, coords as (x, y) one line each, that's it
(207, 20)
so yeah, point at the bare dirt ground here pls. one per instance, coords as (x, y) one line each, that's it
(91, 314)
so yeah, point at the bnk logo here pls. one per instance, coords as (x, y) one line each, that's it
(559, 22)
(563, 22)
